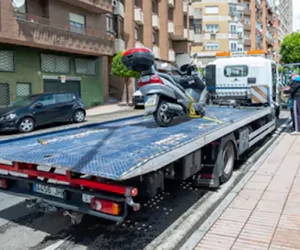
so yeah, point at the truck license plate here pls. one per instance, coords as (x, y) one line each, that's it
(150, 100)
(51, 191)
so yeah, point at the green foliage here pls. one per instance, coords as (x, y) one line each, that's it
(290, 48)
(119, 69)
(202, 71)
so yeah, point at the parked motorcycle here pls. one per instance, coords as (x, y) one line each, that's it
(170, 94)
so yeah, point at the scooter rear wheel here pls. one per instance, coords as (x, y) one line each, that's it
(161, 117)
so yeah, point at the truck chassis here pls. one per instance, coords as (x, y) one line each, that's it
(53, 170)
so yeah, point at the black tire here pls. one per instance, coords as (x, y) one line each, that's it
(26, 125)
(79, 116)
(226, 158)
(161, 118)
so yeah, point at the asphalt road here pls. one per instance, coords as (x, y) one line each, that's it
(22, 229)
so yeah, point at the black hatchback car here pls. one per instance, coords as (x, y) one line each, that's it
(29, 112)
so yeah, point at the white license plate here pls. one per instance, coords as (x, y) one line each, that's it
(150, 100)
(52, 191)
(86, 198)
(145, 79)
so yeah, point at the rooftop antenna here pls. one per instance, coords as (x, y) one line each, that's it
(18, 3)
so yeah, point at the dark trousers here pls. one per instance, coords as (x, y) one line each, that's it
(297, 115)
(293, 117)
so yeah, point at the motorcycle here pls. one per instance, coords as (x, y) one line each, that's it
(169, 94)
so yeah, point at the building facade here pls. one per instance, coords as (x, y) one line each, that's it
(235, 25)
(55, 45)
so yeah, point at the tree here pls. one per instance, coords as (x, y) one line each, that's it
(120, 70)
(290, 48)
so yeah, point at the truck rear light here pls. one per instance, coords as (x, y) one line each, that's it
(154, 79)
(3, 183)
(105, 206)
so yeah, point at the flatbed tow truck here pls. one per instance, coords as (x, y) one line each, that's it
(104, 169)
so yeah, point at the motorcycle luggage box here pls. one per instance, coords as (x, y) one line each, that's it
(138, 59)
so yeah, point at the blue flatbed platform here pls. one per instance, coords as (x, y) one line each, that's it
(126, 148)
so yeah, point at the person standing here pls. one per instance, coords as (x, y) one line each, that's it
(295, 95)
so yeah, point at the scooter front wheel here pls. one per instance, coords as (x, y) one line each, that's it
(161, 116)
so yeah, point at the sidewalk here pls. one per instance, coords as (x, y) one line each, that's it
(265, 213)
(108, 109)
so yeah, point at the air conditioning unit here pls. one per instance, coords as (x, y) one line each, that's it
(114, 3)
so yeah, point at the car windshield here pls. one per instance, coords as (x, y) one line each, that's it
(23, 102)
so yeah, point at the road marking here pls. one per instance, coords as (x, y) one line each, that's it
(56, 244)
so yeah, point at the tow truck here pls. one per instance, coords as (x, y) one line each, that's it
(105, 169)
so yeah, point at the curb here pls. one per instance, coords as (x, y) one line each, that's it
(185, 231)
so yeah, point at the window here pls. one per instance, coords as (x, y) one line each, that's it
(236, 71)
(232, 8)
(212, 10)
(23, 8)
(85, 66)
(110, 24)
(6, 61)
(155, 37)
(212, 27)
(23, 89)
(55, 64)
(274, 79)
(232, 28)
(137, 33)
(63, 98)
(46, 100)
(233, 46)
(212, 46)
(77, 23)
(4, 94)
(198, 26)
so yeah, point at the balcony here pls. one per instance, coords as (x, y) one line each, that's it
(191, 35)
(185, 34)
(119, 45)
(247, 42)
(156, 52)
(138, 15)
(95, 6)
(155, 21)
(171, 55)
(198, 13)
(247, 12)
(185, 6)
(247, 27)
(198, 38)
(171, 3)
(119, 9)
(171, 27)
(139, 44)
(39, 32)
(191, 11)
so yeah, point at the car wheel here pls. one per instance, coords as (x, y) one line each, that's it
(26, 125)
(79, 116)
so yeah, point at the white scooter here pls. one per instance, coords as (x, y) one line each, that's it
(167, 95)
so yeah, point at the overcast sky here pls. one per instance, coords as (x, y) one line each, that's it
(296, 8)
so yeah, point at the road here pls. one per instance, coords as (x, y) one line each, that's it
(21, 228)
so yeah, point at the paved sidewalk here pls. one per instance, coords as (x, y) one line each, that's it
(265, 214)
(108, 109)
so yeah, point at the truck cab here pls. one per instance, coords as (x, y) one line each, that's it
(246, 80)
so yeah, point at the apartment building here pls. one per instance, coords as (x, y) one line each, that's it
(284, 11)
(234, 25)
(165, 26)
(55, 45)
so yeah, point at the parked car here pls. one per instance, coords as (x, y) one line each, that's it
(27, 113)
(138, 99)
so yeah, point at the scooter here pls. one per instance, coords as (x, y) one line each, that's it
(167, 95)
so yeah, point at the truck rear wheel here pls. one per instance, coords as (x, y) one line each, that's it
(227, 158)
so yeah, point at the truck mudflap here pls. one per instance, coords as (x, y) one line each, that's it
(72, 193)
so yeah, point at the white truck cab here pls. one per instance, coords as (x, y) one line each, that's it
(249, 79)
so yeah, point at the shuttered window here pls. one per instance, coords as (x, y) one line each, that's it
(55, 64)
(85, 66)
(23, 89)
(4, 94)
(6, 61)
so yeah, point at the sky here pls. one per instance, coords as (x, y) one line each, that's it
(296, 14)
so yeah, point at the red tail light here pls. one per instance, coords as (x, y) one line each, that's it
(154, 79)
(105, 206)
